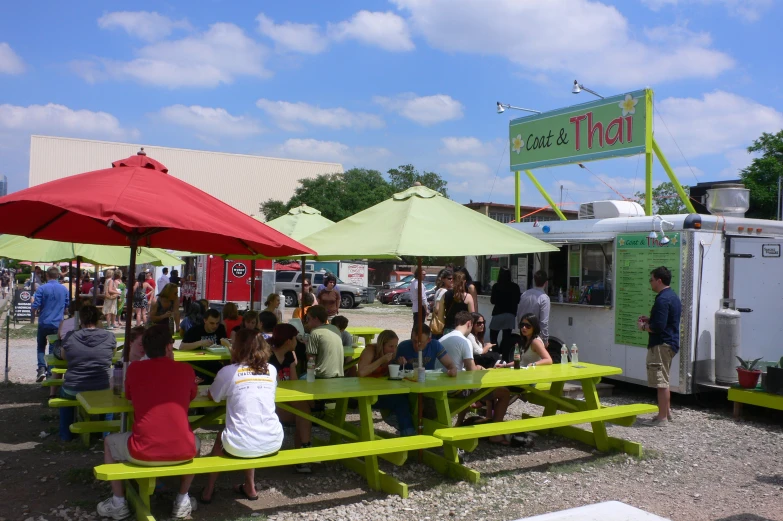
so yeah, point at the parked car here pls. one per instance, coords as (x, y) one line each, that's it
(392, 296)
(289, 283)
(429, 277)
(429, 294)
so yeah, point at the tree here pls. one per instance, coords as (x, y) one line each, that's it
(666, 200)
(403, 177)
(272, 209)
(762, 175)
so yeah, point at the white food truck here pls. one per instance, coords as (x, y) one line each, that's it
(599, 284)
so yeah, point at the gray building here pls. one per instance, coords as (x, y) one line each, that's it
(3, 185)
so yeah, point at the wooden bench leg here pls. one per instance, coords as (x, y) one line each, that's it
(340, 410)
(139, 500)
(555, 390)
(737, 410)
(594, 403)
(367, 433)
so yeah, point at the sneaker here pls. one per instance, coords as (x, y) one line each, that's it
(40, 376)
(106, 508)
(303, 468)
(183, 510)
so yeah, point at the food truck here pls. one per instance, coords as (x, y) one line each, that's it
(599, 284)
(219, 280)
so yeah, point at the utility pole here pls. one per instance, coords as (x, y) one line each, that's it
(561, 197)
(780, 209)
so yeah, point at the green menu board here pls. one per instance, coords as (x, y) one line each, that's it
(637, 256)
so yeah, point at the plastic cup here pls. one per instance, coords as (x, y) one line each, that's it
(394, 371)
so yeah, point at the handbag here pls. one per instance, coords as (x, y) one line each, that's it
(438, 322)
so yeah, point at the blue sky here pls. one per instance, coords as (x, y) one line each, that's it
(378, 84)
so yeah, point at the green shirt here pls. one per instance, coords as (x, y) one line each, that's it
(327, 346)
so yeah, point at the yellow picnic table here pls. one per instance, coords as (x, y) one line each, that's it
(364, 390)
(757, 397)
(366, 332)
(482, 382)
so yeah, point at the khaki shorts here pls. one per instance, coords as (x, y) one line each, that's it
(110, 307)
(118, 447)
(659, 362)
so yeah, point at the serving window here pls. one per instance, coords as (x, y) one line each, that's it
(580, 273)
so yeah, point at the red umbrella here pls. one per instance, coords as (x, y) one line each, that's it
(139, 204)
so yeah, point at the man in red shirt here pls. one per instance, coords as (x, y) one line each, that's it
(161, 391)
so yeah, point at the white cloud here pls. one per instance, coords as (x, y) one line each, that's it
(145, 25)
(424, 110)
(586, 38)
(737, 159)
(466, 146)
(288, 36)
(473, 169)
(217, 56)
(385, 30)
(10, 62)
(207, 120)
(63, 121)
(290, 116)
(718, 122)
(749, 10)
(330, 151)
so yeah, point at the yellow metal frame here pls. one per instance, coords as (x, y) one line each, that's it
(650, 146)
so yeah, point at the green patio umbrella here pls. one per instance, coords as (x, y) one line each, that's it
(300, 222)
(420, 222)
(40, 250)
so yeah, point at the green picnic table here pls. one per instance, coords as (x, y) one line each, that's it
(482, 382)
(366, 332)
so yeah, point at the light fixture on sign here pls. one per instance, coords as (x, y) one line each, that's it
(578, 87)
(503, 106)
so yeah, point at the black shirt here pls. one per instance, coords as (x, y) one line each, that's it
(284, 367)
(505, 297)
(452, 307)
(197, 333)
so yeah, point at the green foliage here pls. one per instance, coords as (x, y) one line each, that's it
(338, 196)
(666, 200)
(21, 278)
(761, 177)
(749, 365)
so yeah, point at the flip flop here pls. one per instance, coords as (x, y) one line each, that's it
(240, 489)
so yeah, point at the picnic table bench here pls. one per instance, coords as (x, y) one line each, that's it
(757, 397)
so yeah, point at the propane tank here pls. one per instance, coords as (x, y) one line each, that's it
(727, 342)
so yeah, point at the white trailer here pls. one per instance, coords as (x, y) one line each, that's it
(603, 269)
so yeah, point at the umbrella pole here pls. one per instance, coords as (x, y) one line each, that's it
(128, 305)
(78, 277)
(252, 282)
(95, 282)
(420, 321)
(301, 300)
(70, 278)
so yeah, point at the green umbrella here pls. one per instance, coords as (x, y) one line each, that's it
(300, 222)
(420, 222)
(40, 250)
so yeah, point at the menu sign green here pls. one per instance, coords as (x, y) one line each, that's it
(637, 256)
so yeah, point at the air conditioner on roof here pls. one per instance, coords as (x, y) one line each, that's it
(609, 209)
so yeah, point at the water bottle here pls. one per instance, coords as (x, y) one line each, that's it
(310, 370)
(574, 354)
(564, 354)
(117, 383)
(517, 357)
(560, 295)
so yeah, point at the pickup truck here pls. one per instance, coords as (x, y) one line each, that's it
(289, 283)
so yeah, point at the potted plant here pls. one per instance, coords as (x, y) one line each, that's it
(747, 373)
(775, 378)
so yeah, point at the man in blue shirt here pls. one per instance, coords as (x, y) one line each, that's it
(663, 326)
(408, 351)
(50, 301)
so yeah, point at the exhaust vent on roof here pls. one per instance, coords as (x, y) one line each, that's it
(610, 209)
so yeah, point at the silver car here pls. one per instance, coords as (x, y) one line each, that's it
(289, 283)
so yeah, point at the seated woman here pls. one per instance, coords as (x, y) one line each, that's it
(136, 346)
(88, 351)
(231, 318)
(194, 316)
(272, 304)
(252, 429)
(531, 348)
(283, 342)
(374, 362)
(165, 309)
(309, 300)
(66, 326)
(482, 351)
(249, 321)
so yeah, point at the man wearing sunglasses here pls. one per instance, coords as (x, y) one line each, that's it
(663, 326)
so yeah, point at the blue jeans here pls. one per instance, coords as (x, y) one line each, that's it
(400, 407)
(43, 332)
(67, 415)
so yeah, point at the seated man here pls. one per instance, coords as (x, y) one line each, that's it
(161, 391)
(460, 350)
(206, 334)
(267, 322)
(432, 351)
(324, 345)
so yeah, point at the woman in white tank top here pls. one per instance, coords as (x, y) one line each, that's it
(534, 353)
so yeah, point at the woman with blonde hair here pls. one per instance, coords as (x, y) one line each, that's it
(374, 363)
(110, 294)
(231, 318)
(252, 428)
(165, 309)
(272, 304)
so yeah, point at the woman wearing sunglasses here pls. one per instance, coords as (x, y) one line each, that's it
(532, 347)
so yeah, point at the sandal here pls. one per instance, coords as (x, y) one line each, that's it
(240, 489)
(201, 497)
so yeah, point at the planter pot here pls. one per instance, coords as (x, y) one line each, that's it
(774, 380)
(748, 379)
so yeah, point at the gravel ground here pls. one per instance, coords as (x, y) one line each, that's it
(702, 467)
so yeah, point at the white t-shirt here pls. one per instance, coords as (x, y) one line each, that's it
(459, 349)
(162, 281)
(252, 427)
